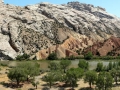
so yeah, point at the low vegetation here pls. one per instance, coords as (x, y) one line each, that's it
(23, 57)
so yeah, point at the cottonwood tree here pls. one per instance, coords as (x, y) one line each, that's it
(104, 81)
(115, 73)
(90, 77)
(51, 77)
(64, 64)
(72, 76)
(110, 66)
(31, 69)
(53, 66)
(24, 71)
(99, 67)
(83, 64)
(16, 74)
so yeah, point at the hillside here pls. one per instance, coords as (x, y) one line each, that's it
(35, 29)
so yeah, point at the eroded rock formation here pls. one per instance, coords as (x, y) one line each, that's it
(39, 27)
(109, 47)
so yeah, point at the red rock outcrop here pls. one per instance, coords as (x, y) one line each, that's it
(68, 48)
(108, 47)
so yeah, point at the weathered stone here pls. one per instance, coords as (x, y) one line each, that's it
(41, 26)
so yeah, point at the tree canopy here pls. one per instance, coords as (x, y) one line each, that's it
(73, 75)
(64, 64)
(83, 64)
(90, 77)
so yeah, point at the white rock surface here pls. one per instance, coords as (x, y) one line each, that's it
(34, 27)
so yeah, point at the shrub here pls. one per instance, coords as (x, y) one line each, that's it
(23, 57)
(83, 64)
(52, 56)
(99, 67)
(88, 56)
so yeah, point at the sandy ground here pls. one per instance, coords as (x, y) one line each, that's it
(42, 85)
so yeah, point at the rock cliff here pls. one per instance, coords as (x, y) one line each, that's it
(110, 47)
(36, 28)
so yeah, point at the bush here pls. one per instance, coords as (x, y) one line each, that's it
(88, 56)
(99, 67)
(83, 64)
(23, 57)
(52, 56)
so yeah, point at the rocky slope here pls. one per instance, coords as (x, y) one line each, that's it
(109, 47)
(37, 28)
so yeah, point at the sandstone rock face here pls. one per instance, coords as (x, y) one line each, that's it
(36, 28)
(110, 47)
(66, 49)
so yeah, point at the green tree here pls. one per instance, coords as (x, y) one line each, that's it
(83, 64)
(100, 81)
(51, 77)
(115, 65)
(16, 74)
(88, 56)
(30, 69)
(52, 56)
(64, 64)
(53, 66)
(72, 76)
(99, 67)
(115, 73)
(104, 81)
(110, 66)
(90, 77)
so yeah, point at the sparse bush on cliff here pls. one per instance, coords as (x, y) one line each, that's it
(88, 56)
(52, 56)
(22, 57)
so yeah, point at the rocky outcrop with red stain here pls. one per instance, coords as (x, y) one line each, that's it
(67, 48)
(110, 47)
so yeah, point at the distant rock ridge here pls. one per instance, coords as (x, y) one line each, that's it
(33, 28)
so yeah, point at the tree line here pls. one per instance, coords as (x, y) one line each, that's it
(102, 76)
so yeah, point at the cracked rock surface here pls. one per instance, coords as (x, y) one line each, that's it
(37, 27)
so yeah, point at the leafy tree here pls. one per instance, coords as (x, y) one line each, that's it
(83, 64)
(51, 77)
(90, 77)
(64, 64)
(99, 67)
(73, 75)
(100, 81)
(115, 73)
(16, 74)
(115, 65)
(54, 66)
(88, 56)
(108, 81)
(30, 69)
(52, 56)
(23, 57)
(104, 81)
(118, 63)
(110, 66)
